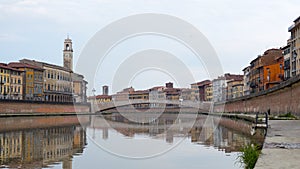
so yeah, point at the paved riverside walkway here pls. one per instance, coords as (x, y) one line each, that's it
(282, 146)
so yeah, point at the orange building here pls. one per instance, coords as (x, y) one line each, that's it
(274, 73)
(261, 69)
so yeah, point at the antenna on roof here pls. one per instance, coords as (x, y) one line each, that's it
(68, 36)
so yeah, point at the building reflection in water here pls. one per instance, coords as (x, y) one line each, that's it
(225, 135)
(38, 148)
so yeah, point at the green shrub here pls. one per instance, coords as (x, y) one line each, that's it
(249, 155)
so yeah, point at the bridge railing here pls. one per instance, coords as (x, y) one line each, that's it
(161, 103)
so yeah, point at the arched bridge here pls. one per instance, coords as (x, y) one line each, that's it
(155, 104)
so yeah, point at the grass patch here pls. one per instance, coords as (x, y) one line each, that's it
(249, 155)
(287, 116)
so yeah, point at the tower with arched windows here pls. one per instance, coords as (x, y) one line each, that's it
(68, 54)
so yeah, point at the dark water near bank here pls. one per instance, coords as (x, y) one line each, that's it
(127, 141)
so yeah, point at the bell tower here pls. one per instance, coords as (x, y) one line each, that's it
(68, 53)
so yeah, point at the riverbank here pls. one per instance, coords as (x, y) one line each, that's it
(23, 107)
(34, 122)
(282, 146)
(281, 99)
(34, 114)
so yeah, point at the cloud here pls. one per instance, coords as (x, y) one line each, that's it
(238, 30)
(11, 38)
(23, 8)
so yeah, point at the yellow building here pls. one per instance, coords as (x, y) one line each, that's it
(57, 83)
(208, 92)
(235, 88)
(195, 92)
(103, 98)
(142, 95)
(11, 82)
(199, 89)
(139, 95)
(79, 88)
(29, 79)
(33, 88)
(16, 85)
(4, 80)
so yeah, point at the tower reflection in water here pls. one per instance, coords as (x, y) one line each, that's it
(39, 148)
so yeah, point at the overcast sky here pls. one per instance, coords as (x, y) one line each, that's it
(238, 30)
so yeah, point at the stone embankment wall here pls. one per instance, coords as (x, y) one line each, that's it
(30, 107)
(23, 123)
(281, 99)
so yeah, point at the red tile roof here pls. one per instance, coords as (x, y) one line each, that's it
(5, 66)
(23, 65)
(202, 83)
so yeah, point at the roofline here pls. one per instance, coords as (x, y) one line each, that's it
(5, 66)
(24, 65)
(297, 19)
(49, 65)
(246, 68)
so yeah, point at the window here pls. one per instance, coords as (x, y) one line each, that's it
(67, 47)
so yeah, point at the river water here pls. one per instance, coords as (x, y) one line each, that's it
(118, 141)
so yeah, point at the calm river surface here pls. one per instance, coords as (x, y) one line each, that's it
(123, 141)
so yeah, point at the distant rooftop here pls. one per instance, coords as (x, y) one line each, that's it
(5, 66)
(23, 65)
(36, 63)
